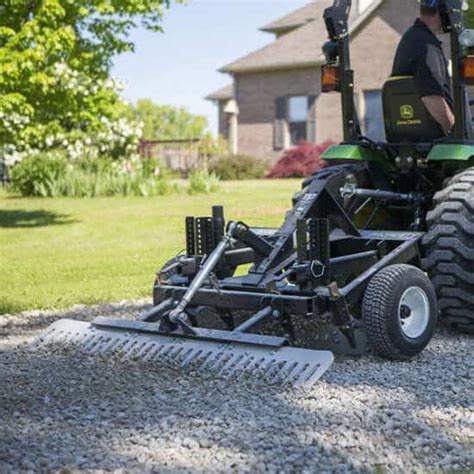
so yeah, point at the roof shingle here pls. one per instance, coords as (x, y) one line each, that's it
(298, 48)
(295, 19)
(224, 93)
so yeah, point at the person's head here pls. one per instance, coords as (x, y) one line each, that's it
(430, 15)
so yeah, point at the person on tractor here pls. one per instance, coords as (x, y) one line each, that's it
(420, 55)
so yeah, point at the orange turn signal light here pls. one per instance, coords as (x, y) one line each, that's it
(330, 79)
(468, 70)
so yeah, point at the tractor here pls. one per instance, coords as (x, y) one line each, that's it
(376, 250)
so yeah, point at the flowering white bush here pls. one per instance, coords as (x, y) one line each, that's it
(55, 87)
(102, 134)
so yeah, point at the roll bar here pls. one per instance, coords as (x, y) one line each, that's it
(337, 51)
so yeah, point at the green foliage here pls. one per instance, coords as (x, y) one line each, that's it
(234, 167)
(165, 122)
(88, 185)
(202, 182)
(210, 146)
(53, 176)
(55, 90)
(469, 15)
(29, 177)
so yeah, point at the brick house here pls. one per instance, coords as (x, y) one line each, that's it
(275, 100)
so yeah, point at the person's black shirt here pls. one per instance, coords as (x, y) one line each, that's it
(420, 55)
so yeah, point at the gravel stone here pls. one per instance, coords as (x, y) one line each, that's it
(62, 411)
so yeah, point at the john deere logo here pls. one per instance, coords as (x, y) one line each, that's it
(407, 112)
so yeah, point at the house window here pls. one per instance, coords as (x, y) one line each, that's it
(297, 119)
(373, 115)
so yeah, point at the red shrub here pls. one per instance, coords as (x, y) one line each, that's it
(299, 162)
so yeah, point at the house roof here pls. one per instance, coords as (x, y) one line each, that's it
(295, 19)
(298, 48)
(224, 93)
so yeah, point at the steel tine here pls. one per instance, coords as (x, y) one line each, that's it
(127, 349)
(167, 356)
(209, 360)
(193, 355)
(107, 344)
(162, 355)
(251, 368)
(246, 359)
(315, 374)
(297, 372)
(201, 358)
(269, 370)
(97, 346)
(155, 347)
(201, 362)
(219, 360)
(146, 347)
(292, 374)
(133, 351)
(283, 373)
(91, 342)
(112, 347)
(236, 360)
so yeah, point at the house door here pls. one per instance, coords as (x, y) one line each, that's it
(373, 115)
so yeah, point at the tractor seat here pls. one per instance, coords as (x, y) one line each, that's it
(406, 118)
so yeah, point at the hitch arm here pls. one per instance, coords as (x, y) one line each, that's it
(176, 315)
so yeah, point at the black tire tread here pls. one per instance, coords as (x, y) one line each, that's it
(375, 304)
(449, 250)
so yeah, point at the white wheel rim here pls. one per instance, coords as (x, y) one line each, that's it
(414, 312)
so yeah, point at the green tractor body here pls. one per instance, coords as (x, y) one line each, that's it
(417, 157)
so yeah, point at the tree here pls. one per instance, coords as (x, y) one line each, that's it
(55, 86)
(165, 122)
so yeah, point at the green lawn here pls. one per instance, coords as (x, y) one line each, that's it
(58, 252)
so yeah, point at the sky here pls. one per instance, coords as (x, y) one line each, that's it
(179, 67)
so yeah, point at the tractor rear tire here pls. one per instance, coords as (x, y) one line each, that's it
(449, 251)
(399, 311)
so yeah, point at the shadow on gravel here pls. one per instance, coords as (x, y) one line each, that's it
(20, 218)
(59, 409)
(63, 410)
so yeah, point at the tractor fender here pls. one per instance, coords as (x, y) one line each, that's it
(452, 152)
(353, 152)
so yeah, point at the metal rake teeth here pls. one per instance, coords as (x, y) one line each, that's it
(285, 365)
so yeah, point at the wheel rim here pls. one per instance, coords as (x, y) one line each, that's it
(414, 312)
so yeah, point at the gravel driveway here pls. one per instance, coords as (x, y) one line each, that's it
(365, 415)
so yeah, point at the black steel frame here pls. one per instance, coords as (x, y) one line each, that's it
(316, 266)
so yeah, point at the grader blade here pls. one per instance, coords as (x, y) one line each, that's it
(253, 357)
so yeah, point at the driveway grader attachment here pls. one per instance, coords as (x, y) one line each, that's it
(359, 264)
(304, 279)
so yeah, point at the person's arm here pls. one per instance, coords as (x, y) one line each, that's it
(440, 111)
(429, 79)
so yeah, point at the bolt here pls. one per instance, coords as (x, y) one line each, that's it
(405, 312)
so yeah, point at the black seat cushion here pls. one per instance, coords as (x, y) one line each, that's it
(406, 118)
